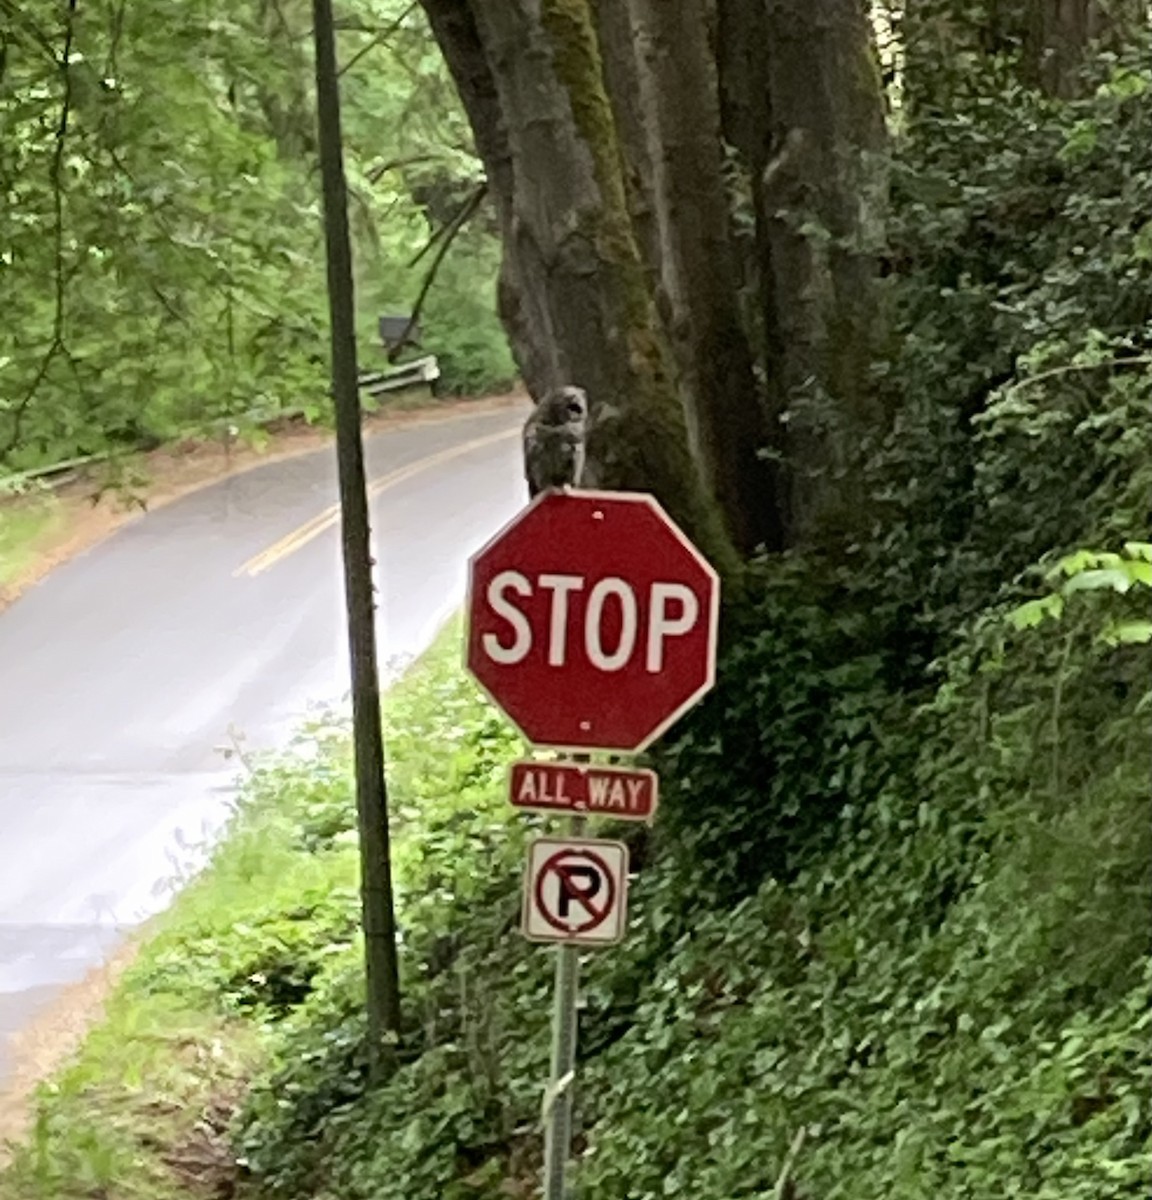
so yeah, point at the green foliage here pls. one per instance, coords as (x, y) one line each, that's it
(947, 995)
(1091, 571)
(160, 223)
(472, 349)
(1020, 378)
(23, 522)
(280, 900)
(456, 868)
(759, 776)
(148, 1091)
(952, 1000)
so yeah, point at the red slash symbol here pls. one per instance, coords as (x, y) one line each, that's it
(580, 884)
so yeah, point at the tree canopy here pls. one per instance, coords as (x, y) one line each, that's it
(160, 244)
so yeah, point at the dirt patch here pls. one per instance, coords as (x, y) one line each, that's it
(43, 1047)
(203, 1160)
(86, 515)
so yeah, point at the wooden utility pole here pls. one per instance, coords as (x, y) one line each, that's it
(371, 792)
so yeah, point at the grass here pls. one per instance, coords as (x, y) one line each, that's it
(143, 1110)
(25, 523)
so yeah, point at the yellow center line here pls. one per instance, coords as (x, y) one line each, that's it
(311, 529)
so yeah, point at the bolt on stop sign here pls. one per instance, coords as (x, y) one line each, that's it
(592, 620)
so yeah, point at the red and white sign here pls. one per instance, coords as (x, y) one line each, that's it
(576, 890)
(624, 794)
(592, 620)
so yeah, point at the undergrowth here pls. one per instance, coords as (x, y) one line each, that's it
(948, 997)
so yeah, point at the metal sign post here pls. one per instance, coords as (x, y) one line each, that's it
(559, 1096)
(575, 894)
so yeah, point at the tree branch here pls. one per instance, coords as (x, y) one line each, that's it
(378, 172)
(449, 232)
(461, 215)
(115, 34)
(56, 174)
(1136, 360)
(378, 39)
(168, 306)
(783, 1189)
(31, 29)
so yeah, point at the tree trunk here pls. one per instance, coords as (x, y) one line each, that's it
(697, 264)
(575, 295)
(614, 30)
(822, 202)
(600, 123)
(526, 322)
(1050, 41)
(1061, 34)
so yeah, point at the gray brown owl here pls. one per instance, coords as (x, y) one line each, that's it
(554, 440)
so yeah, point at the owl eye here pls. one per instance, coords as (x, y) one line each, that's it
(575, 408)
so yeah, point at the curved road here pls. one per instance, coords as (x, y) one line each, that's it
(125, 670)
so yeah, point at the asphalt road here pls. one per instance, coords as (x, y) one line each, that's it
(124, 671)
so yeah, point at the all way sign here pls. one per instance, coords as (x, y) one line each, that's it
(576, 891)
(624, 794)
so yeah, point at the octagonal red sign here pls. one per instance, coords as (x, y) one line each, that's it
(592, 620)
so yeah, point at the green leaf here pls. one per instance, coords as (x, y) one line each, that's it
(1124, 84)
(1081, 560)
(1140, 572)
(1116, 578)
(1080, 142)
(1128, 633)
(1034, 612)
(1142, 242)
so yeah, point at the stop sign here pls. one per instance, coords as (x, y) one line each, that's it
(592, 620)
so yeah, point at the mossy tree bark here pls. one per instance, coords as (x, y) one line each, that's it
(602, 126)
(574, 294)
(697, 263)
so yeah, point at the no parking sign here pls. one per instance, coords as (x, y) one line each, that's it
(576, 891)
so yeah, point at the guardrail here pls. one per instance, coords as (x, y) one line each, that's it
(395, 379)
(373, 383)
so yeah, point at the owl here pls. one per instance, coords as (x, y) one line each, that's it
(554, 440)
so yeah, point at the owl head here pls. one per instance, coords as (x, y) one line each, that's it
(566, 405)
